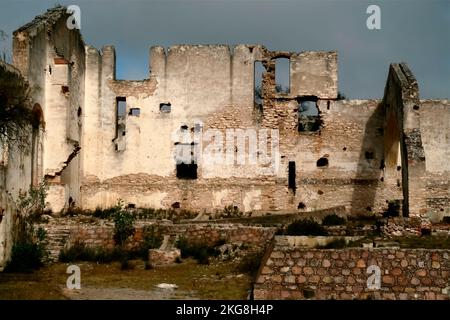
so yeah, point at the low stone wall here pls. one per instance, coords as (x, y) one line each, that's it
(62, 233)
(289, 272)
(213, 233)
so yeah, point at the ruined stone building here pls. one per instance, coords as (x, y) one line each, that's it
(101, 139)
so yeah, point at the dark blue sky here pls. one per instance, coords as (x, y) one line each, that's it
(416, 32)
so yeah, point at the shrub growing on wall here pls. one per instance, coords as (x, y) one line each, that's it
(200, 252)
(123, 229)
(306, 227)
(123, 224)
(29, 250)
(333, 220)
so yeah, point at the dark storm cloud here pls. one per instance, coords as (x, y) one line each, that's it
(417, 32)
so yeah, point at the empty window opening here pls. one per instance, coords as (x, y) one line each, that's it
(131, 206)
(184, 127)
(186, 157)
(176, 205)
(187, 171)
(301, 205)
(258, 77)
(165, 107)
(282, 75)
(322, 162)
(64, 89)
(308, 115)
(198, 127)
(121, 107)
(291, 175)
(79, 112)
(135, 112)
(320, 192)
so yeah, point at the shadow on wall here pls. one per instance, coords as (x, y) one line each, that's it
(366, 181)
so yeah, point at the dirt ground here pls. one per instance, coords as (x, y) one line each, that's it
(109, 282)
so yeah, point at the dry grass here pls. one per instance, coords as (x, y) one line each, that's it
(195, 281)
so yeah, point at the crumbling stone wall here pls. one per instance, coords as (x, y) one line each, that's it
(290, 272)
(347, 126)
(63, 233)
(403, 141)
(374, 149)
(52, 58)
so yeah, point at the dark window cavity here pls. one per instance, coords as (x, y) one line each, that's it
(322, 162)
(291, 175)
(308, 115)
(165, 107)
(187, 171)
(135, 112)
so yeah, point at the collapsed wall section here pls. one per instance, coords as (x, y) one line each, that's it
(198, 88)
(16, 159)
(212, 87)
(403, 137)
(51, 58)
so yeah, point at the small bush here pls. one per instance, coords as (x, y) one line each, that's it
(123, 224)
(29, 250)
(152, 240)
(306, 227)
(74, 211)
(231, 211)
(25, 257)
(199, 252)
(80, 252)
(333, 220)
(104, 213)
(335, 244)
(166, 214)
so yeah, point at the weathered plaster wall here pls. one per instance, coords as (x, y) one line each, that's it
(101, 157)
(403, 142)
(435, 126)
(15, 174)
(51, 57)
(212, 86)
